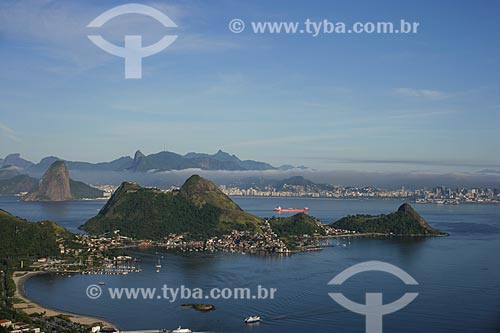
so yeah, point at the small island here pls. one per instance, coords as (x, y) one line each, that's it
(199, 307)
(405, 222)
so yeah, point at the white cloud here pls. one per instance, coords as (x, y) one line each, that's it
(8, 133)
(427, 114)
(420, 93)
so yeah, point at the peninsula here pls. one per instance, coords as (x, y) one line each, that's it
(200, 217)
(21, 243)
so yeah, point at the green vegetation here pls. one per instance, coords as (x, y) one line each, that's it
(202, 192)
(199, 209)
(80, 190)
(291, 230)
(20, 238)
(23, 240)
(296, 225)
(17, 184)
(405, 222)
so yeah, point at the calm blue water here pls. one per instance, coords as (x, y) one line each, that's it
(459, 276)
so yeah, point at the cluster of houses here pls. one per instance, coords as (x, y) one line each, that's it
(234, 242)
(248, 241)
(18, 327)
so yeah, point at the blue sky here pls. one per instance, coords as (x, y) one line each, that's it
(427, 101)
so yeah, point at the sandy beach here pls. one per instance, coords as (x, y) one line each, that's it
(29, 307)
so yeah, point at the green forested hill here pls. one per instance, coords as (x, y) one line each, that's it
(19, 237)
(80, 190)
(199, 209)
(405, 222)
(18, 184)
(296, 225)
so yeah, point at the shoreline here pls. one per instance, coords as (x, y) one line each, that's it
(29, 306)
(382, 235)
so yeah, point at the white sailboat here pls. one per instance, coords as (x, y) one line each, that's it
(252, 319)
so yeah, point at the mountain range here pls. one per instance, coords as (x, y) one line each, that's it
(162, 161)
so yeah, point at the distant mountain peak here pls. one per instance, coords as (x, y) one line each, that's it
(56, 185)
(201, 191)
(225, 157)
(407, 209)
(138, 154)
(197, 185)
(16, 160)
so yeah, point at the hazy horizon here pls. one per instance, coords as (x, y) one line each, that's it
(414, 178)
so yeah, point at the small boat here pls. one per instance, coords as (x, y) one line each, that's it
(108, 330)
(158, 266)
(101, 283)
(252, 319)
(182, 330)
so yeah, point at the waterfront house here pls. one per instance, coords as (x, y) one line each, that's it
(5, 323)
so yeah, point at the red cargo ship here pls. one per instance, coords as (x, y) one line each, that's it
(291, 210)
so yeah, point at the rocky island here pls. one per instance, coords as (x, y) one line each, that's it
(404, 222)
(56, 185)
